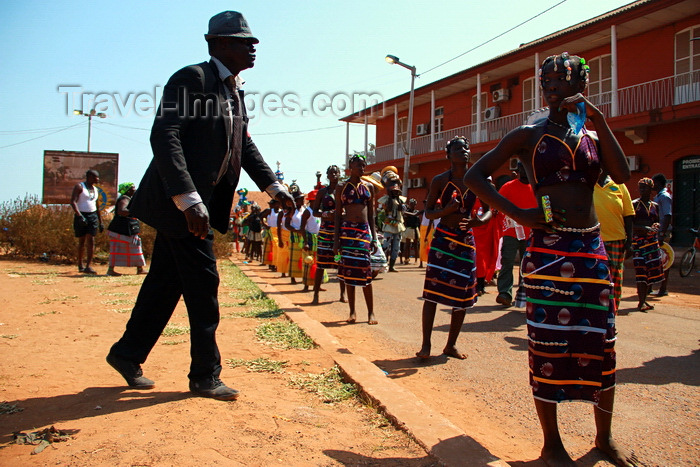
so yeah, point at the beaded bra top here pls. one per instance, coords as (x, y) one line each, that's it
(554, 162)
(328, 201)
(352, 194)
(451, 191)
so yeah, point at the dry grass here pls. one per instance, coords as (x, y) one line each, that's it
(31, 230)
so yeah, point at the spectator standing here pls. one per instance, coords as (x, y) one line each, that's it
(665, 202)
(86, 221)
(124, 242)
(520, 193)
(411, 236)
(613, 206)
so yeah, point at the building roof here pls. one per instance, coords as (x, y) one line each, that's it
(629, 20)
(261, 198)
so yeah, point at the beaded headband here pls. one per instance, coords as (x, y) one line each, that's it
(567, 62)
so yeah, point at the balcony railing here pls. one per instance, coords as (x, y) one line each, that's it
(672, 90)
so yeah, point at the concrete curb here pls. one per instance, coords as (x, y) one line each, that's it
(436, 434)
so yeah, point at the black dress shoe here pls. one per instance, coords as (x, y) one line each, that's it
(131, 372)
(213, 388)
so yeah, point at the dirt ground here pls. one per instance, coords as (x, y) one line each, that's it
(56, 327)
(486, 395)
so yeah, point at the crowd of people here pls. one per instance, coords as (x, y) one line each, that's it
(565, 215)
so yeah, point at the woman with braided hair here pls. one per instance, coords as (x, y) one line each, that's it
(570, 312)
(648, 268)
(355, 236)
(450, 276)
(324, 209)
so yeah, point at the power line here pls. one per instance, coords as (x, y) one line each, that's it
(35, 130)
(494, 38)
(43, 136)
(97, 127)
(298, 131)
(125, 126)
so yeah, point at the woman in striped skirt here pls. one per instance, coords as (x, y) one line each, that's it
(570, 315)
(355, 236)
(450, 276)
(324, 209)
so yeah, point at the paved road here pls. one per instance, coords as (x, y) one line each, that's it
(487, 395)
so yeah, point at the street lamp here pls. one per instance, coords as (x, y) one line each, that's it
(89, 115)
(393, 59)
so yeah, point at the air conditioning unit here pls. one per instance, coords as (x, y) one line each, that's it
(422, 129)
(513, 165)
(501, 95)
(416, 182)
(492, 113)
(633, 162)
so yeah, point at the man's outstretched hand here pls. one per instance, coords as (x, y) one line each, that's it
(198, 220)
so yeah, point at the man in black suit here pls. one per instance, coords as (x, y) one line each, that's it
(200, 143)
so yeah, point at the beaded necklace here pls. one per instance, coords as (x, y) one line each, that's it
(565, 127)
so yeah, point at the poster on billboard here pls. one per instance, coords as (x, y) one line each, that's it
(64, 169)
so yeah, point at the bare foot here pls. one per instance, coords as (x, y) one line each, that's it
(452, 351)
(424, 352)
(557, 457)
(315, 300)
(616, 453)
(352, 318)
(372, 319)
(305, 289)
(342, 299)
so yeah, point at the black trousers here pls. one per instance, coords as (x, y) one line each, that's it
(179, 267)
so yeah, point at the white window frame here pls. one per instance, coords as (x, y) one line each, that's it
(438, 120)
(600, 80)
(529, 102)
(687, 79)
(402, 132)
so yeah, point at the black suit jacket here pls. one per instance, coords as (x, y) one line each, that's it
(190, 139)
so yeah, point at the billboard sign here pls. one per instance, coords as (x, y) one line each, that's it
(64, 169)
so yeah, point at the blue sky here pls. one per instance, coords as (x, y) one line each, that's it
(124, 51)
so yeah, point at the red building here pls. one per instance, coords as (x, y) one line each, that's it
(645, 77)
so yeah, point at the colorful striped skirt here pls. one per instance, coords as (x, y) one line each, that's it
(325, 246)
(647, 259)
(355, 245)
(450, 276)
(296, 255)
(570, 316)
(125, 250)
(616, 261)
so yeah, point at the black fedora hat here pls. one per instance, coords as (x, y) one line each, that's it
(229, 24)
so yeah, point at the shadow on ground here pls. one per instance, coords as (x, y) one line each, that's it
(90, 402)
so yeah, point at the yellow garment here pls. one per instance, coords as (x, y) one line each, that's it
(612, 203)
(296, 260)
(283, 253)
(270, 247)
